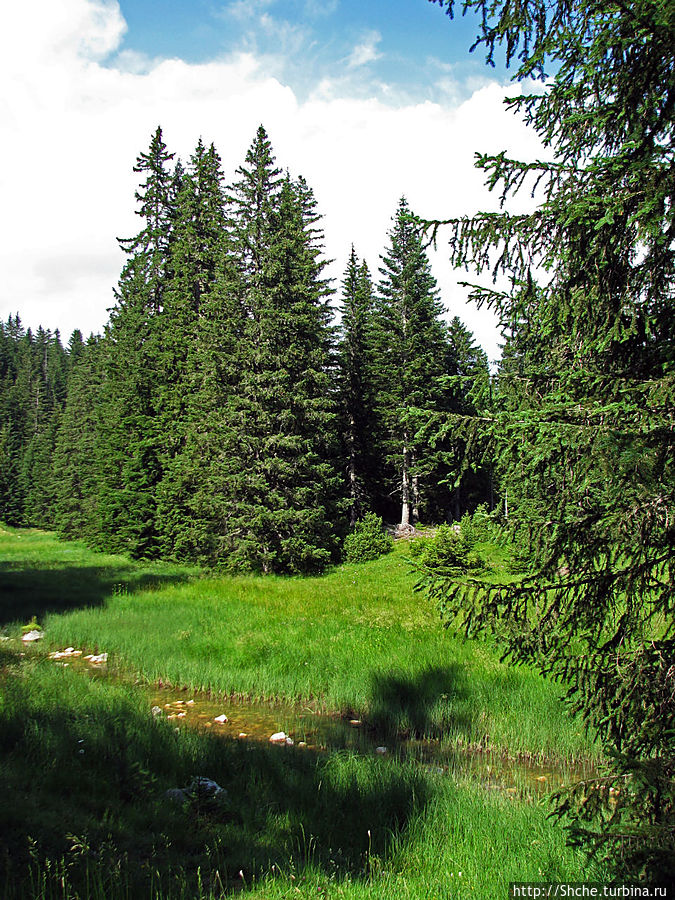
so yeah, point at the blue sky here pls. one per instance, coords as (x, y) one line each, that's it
(408, 37)
(368, 100)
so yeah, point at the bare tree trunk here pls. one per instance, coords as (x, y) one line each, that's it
(353, 514)
(405, 483)
(415, 497)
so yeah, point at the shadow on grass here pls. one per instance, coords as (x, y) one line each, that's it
(86, 768)
(424, 705)
(27, 590)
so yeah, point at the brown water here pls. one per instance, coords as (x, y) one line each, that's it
(308, 729)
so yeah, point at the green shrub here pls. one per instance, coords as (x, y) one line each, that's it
(449, 552)
(479, 527)
(367, 541)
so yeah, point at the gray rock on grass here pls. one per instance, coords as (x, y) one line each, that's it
(201, 788)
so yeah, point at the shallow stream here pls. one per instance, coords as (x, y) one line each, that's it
(304, 728)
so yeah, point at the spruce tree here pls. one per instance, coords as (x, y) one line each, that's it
(197, 260)
(129, 426)
(40, 391)
(411, 347)
(466, 456)
(278, 472)
(12, 420)
(156, 204)
(77, 459)
(583, 419)
(356, 389)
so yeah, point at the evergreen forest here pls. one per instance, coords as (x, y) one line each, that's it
(239, 411)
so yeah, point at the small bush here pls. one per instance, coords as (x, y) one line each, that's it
(367, 541)
(479, 527)
(449, 552)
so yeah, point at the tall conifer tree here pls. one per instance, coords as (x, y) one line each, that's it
(77, 459)
(129, 425)
(411, 349)
(356, 389)
(278, 471)
(197, 258)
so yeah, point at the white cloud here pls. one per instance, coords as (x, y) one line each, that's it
(365, 51)
(73, 128)
(319, 8)
(246, 10)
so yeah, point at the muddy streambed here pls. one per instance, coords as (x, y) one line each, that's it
(297, 728)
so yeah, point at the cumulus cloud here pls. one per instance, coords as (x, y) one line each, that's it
(75, 122)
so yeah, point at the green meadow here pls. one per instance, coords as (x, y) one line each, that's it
(85, 766)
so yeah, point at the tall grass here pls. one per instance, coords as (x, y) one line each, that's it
(84, 772)
(358, 641)
(84, 767)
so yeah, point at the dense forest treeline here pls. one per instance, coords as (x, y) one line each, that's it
(224, 417)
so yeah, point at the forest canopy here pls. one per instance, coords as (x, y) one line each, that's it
(238, 411)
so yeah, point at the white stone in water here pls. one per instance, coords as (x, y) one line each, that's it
(381, 750)
(289, 741)
(221, 719)
(279, 737)
(33, 635)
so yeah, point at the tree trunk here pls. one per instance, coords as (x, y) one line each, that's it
(353, 515)
(415, 499)
(405, 484)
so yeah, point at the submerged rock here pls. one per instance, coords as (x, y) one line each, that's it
(60, 654)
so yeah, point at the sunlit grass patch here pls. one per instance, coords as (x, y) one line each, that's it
(357, 640)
